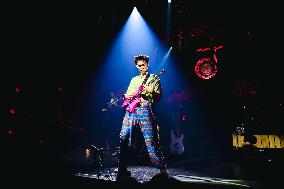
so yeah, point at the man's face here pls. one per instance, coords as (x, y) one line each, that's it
(142, 66)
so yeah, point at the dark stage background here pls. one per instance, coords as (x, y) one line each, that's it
(51, 52)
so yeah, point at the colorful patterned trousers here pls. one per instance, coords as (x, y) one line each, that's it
(142, 117)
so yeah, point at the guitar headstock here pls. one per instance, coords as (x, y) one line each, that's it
(162, 71)
(156, 76)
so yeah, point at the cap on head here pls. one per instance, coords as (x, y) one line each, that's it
(141, 57)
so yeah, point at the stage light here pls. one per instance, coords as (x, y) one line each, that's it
(135, 14)
(87, 154)
(10, 132)
(18, 89)
(12, 111)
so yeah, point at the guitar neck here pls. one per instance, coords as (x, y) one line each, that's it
(156, 77)
(150, 82)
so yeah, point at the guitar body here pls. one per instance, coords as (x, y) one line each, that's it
(131, 107)
(176, 145)
(132, 103)
(126, 102)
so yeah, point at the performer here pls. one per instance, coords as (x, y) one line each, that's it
(142, 117)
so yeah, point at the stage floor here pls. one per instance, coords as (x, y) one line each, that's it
(146, 174)
(259, 169)
(250, 171)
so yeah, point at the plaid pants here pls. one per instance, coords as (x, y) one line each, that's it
(141, 117)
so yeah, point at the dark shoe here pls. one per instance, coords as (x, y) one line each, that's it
(123, 175)
(115, 170)
(164, 173)
(162, 177)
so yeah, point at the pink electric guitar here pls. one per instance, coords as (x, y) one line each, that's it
(132, 103)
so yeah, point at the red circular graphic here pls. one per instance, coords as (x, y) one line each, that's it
(205, 68)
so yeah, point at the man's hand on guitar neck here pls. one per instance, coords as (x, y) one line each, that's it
(148, 89)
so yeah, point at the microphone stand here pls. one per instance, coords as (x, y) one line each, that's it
(100, 165)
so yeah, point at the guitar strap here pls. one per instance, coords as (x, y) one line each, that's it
(146, 78)
(144, 81)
